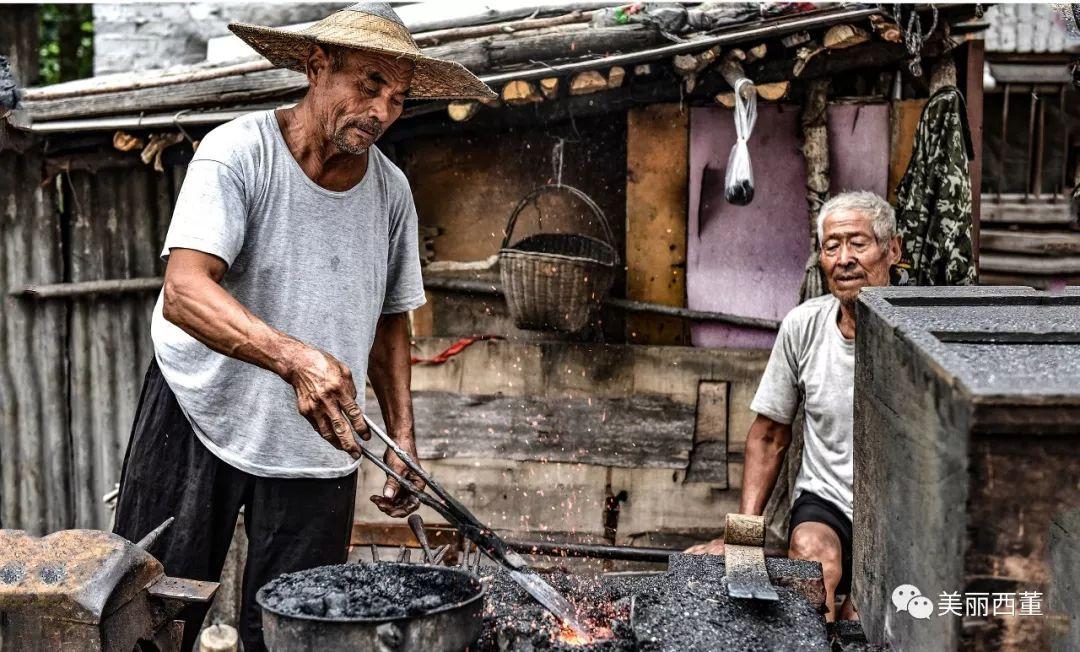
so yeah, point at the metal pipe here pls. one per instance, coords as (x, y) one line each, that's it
(595, 551)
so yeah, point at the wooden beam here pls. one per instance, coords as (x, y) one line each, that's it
(840, 37)
(973, 54)
(731, 69)
(1037, 243)
(437, 37)
(657, 150)
(1043, 265)
(587, 82)
(1017, 212)
(615, 77)
(520, 92)
(708, 460)
(461, 111)
(772, 92)
(549, 86)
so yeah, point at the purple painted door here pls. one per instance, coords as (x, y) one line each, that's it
(749, 260)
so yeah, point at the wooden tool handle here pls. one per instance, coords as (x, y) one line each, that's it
(744, 530)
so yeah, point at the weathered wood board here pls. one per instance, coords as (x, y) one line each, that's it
(639, 432)
(473, 415)
(657, 142)
(903, 121)
(508, 495)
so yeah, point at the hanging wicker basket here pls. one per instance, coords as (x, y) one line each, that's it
(553, 281)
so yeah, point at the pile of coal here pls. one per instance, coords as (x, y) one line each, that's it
(366, 591)
(698, 617)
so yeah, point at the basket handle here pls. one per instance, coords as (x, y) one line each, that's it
(558, 187)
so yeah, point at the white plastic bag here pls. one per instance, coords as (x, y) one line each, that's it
(739, 179)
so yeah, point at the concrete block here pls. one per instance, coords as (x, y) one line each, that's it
(967, 419)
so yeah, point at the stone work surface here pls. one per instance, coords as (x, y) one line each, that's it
(686, 608)
(967, 425)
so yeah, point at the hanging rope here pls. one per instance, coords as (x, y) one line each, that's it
(913, 36)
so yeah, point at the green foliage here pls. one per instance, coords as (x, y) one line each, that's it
(67, 42)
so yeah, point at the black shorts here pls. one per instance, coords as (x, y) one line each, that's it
(810, 507)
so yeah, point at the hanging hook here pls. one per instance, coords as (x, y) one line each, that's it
(557, 160)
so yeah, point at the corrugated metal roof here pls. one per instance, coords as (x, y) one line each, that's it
(1031, 28)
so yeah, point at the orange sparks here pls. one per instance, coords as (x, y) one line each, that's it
(571, 636)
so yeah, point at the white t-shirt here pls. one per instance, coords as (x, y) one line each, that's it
(316, 264)
(812, 358)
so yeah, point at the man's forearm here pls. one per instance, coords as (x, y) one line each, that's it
(766, 445)
(204, 310)
(390, 371)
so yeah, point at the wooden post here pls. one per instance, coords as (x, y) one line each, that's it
(815, 150)
(973, 96)
(657, 150)
(19, 41)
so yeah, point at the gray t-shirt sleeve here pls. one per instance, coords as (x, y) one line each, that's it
(210, 213)
(777, 395)
(404, 282)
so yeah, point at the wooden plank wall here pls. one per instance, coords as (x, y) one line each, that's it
(657, 146)
(533, 490)
(903, 121)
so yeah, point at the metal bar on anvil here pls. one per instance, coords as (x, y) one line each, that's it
(595, 551)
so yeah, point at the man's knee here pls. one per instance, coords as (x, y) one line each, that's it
(816, 542)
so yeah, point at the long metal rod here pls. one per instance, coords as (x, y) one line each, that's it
(623, 553)
(784, 25)
(465, 286)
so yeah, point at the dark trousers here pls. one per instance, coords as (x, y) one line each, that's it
(291, 524)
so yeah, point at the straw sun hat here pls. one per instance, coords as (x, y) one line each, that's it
(373, 27)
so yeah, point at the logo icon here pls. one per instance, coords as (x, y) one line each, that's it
(908, 597)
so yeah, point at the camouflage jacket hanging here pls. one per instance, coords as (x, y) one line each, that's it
(933, 200)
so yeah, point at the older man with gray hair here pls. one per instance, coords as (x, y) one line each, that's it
(813, 361)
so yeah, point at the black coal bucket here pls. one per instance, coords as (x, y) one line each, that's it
(449, 627)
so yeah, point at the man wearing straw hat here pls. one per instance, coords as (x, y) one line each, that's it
(292, 255)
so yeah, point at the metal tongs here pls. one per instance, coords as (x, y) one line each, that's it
(485, 539)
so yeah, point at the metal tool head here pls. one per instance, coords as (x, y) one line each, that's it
(551, 599)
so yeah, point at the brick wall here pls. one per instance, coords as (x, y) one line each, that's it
(159, 35)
